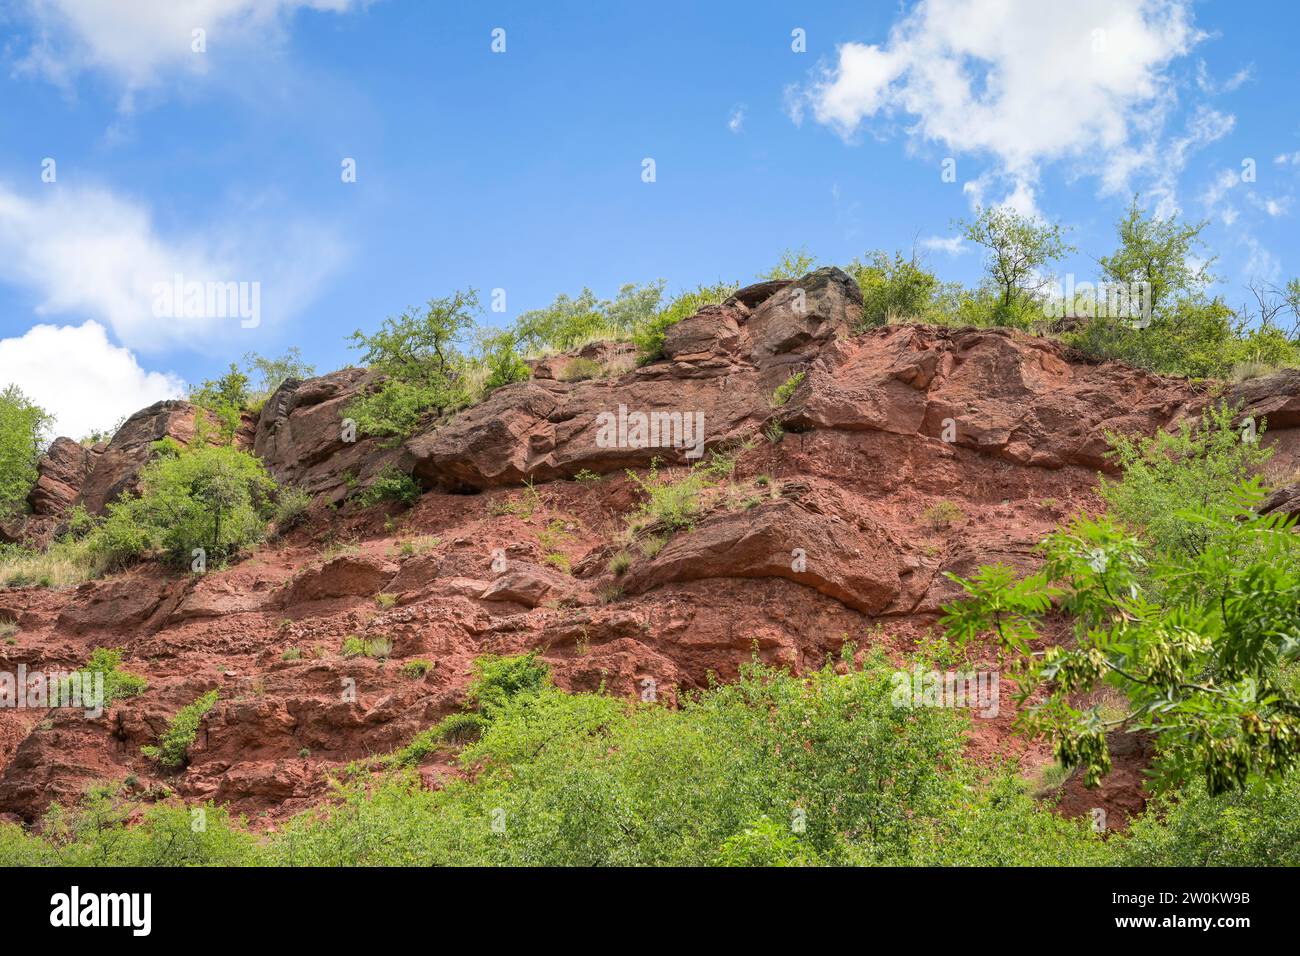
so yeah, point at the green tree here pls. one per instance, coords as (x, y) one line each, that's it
(226, 398)
(419, 355)
(1017, 248)
(273, 372)
(1198, 644)
(1160, 253)
(212, 497)
(24, 428)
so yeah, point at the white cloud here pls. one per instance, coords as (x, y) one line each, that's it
(1271, 206)
(1288, 159)
(137, 40)
(736, 122)
(1022, 81)
(1215, 195)
(951, 245)
(90, 253)
(81, 378)
(1208, 85)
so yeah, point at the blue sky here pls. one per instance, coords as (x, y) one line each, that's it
(522, 170)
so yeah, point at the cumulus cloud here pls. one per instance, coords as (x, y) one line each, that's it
(1021, 81)
(91, 253)
(81, 378)
(736, 122)
(137, 41)
(950, 245)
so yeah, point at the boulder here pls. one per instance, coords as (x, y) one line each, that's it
(347, 575)
(116, 471)
(62, 472)
(786, 539)
(1275, 398)
(301, 435)
(530, 585)
(798, 320)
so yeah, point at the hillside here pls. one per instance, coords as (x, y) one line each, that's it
(900, 454)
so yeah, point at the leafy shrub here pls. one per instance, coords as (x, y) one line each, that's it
(502, 363)
(226, 398)
(118, 684)
(173, 748)
(893, 289)
(1197, 642)
(497, 680)
(419, 355)
(1257, 825)
(793, 264)
(1200, 464)
(391, 485)
(215, 498)
(101, 832)
(763, 843)
(786, 389)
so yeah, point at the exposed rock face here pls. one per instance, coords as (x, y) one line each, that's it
(303, 438)
(907, 452)
(115, 472)
(1001, 394)
(723, 363)
(63, 472)
(1275, 398)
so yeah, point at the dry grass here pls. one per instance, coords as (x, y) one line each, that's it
(65, 564)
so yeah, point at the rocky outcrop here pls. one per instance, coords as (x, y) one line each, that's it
(115, 471)
(722, 364)
(304, 437)
(1002, 394)
(63, 471)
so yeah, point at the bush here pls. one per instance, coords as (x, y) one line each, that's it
(1198, 465)
(649, 335)
(173, 748)
(23, 430)
(498, 680)
(893, 289)
(786, 389)
(226, 398)
(215, 498)
(1197, 642)
(291, 508)
(118, 684)
(391, 485)
(100, 832)
(502, 363)
(419, 355)
(1258, 825)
